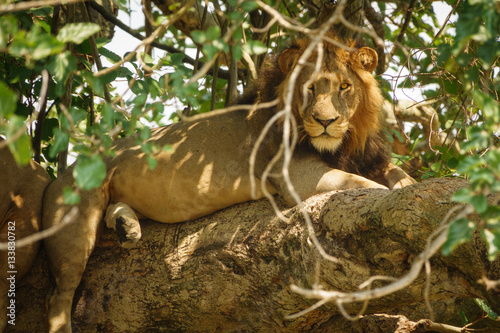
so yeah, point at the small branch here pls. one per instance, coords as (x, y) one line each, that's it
(148, 40)
(22, 6)
(446, 21)
(420, 260)
(37, 139)
(429, 325)
(286, 23)
(187, 59)
(489, 284)
(206, 67)
(409, 14)
(95, 51)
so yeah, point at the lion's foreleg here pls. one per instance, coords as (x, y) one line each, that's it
(69, 249)
(310, 176)
(68, 252)
(122, 218)
(396, 177)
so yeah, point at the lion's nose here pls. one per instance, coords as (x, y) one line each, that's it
(326, 122)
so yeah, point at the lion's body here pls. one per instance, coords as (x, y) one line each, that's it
(208, 167)
(21, 194)
(203, 172)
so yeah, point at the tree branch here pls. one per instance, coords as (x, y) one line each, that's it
(187, 59)
(22, 6)
(409, 14)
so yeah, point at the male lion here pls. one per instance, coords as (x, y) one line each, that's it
(208, 168)
(21, 193)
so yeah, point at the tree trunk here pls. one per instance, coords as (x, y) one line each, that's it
(232, 271)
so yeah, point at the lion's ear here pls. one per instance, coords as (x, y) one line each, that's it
(367, 57)
(287, 59)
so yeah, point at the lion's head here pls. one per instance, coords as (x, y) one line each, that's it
(337, 105)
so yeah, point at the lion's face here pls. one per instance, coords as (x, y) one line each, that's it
(340, 102)
(331, 101)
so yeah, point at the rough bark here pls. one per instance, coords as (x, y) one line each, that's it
(232, 271)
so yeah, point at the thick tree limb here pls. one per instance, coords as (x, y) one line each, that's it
(232, 270)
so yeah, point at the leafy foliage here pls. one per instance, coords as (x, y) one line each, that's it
(452, 65)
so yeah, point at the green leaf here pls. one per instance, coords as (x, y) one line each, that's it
(478, 178)
(492, 158)
(45, 46)
(152, 162)
(89, 172)
(469, 164)
(70, 197)
(111, 56)
(62, 65)
(452, 163)
(8, 27)
(463, 195)
(485, 307)
(199, 37)
(237, 52)
(145, 134)
(8, 101)
(248, 6)
(76, 116)
(480, 203)
(210, 50)
(21, 149)
(49, 124)
(108, 116)
(459, 232)
(60, 143)
(465, 321)
(254, 47)
(77, 32)
(492, 238)
(489, 106)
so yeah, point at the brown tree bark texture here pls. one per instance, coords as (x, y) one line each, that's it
(232, 271)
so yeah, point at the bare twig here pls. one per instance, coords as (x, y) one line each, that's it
(287, 123)
(206, 67)
(446, 21)
(432, 247)
(95, 51)
(37, 140)
(187, 59)
(490, 284)
(21, 6)
(148, 40)
(409, 14)
(429, 325)
(284, 22)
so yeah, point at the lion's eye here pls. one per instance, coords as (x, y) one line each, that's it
(344, 86)
(311, 88)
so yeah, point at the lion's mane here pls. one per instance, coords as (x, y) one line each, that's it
(362, 150)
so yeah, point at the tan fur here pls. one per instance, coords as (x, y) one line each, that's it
(21, 193)
(355, 68)
(208, 166)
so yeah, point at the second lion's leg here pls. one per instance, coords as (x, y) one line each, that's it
(69, 249)
(122, 218)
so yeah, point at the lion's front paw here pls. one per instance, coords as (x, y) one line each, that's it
(121, 217)
(397, 178)
(403, 182)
